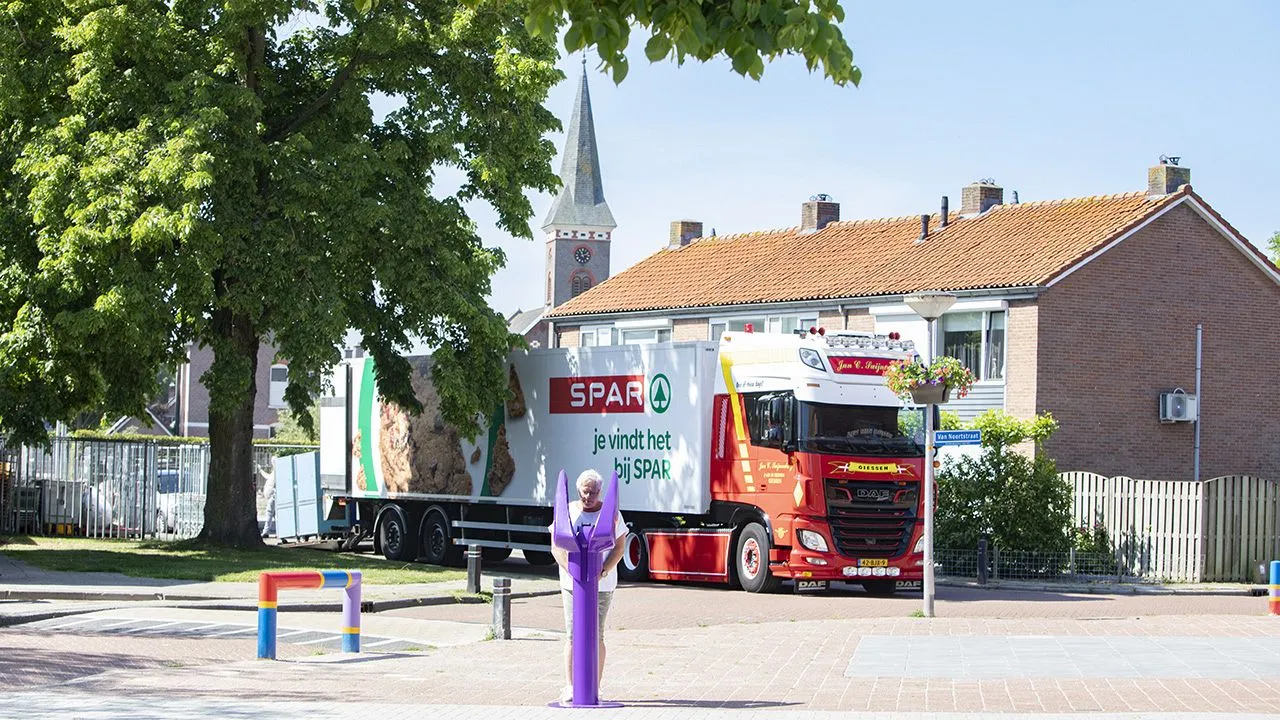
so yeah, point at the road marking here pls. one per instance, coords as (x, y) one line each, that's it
(330, 638)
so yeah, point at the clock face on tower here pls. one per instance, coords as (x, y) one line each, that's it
(582, 255)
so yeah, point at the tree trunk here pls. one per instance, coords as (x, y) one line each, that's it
(231, 508)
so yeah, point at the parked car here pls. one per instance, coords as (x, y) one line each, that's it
(180, 498)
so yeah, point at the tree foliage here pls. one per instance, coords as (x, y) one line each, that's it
(1274, 246)
(1017, 502)
(216, 173)
(747, 32)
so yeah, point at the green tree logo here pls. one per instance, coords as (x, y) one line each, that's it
(659, 393)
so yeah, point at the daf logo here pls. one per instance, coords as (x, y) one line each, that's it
(873, 494)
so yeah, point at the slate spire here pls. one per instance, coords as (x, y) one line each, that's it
(581, 201)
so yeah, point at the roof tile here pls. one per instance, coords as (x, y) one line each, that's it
(1008, 246)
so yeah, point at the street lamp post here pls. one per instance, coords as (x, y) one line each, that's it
(930, 306)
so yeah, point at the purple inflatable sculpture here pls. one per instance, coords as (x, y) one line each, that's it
(586, 550)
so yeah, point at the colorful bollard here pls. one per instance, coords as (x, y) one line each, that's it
(1274, 602)
(269, 583)
(586, 549)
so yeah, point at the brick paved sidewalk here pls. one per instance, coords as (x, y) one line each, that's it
(766, 668)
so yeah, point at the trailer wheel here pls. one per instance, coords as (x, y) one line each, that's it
(393, 535)
(493, 554)
(539, 558)
(880, 588)
(437, 544)
(635, 557)
(753, 560)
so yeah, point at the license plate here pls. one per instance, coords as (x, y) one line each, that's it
(810, 585)
(873, 562)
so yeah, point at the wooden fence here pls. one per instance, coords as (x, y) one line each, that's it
(1218, 530)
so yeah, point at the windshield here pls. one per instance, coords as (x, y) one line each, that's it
(860, 430)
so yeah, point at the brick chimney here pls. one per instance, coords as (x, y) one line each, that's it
(819, 212)
(980, 197)
(683, 232)
(1167, 177)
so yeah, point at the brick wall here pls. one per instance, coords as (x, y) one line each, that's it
(1120, 330)
(567, 336)
(689, 329)
(1021, 348)
(856, 319)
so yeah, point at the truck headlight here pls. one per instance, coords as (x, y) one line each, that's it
(810, 357)
(812, 540)
(919, 546)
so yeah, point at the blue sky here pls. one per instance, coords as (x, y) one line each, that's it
(1053, 100)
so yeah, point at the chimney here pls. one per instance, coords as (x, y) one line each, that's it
(980, 196)
(924, 228)
(1167, 177)
(946, 214)
(819, 212)
(683, 232)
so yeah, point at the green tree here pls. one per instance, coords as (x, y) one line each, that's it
(1018, 502)
(1274, 246)
(296, 429)
(213, 172)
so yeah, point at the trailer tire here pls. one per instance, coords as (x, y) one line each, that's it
(493, 554)
(634, 565)
(752, 560)
(437, 543)
(539, 558)
(394, 538)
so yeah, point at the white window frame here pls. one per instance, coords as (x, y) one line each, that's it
(772, 322)
(984, 347)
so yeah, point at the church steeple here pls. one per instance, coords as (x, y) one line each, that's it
(579, 227)
(581, 202)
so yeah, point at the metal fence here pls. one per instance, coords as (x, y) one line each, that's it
(1030, 565)
(114, 489)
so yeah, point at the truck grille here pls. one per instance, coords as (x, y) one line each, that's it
(871, 519)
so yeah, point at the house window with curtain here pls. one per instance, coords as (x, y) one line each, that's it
(977, 340)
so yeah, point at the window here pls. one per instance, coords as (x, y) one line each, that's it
(595, 335)
(977, 340)
(771, 324)
(860, 430)
(768, 418)
(579, 283)
(646, 336)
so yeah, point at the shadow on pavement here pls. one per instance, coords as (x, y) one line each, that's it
(25, 668)
(724, 704)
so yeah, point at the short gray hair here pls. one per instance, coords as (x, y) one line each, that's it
(589, 477)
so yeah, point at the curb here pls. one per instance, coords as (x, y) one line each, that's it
(1102, 588)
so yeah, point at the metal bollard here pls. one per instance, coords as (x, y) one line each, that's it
(982, 561)
(473, 569)
(1274, 602)
(502, 608)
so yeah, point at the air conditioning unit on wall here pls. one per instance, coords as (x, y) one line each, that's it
(1178, 406)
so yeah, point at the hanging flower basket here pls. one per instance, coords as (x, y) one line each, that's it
(915, 383)
(926, 394)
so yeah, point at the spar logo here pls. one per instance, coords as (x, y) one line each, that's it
(607, 394)
(601, 394)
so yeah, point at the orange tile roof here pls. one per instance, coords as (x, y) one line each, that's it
(1008, 246)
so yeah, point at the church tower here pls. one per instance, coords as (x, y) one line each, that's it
(579, 226)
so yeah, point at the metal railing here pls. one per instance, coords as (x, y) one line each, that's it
(1000, 564)
(114, 489)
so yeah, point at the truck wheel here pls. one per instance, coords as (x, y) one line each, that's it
(492, 554)
(539, 558)
(394, 537)
(880, 588)
(635, 558)
(437, 545)
(753, 560)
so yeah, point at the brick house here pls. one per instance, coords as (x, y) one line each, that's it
(1086, 308)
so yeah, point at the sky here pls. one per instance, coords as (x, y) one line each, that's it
(1052, 100)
